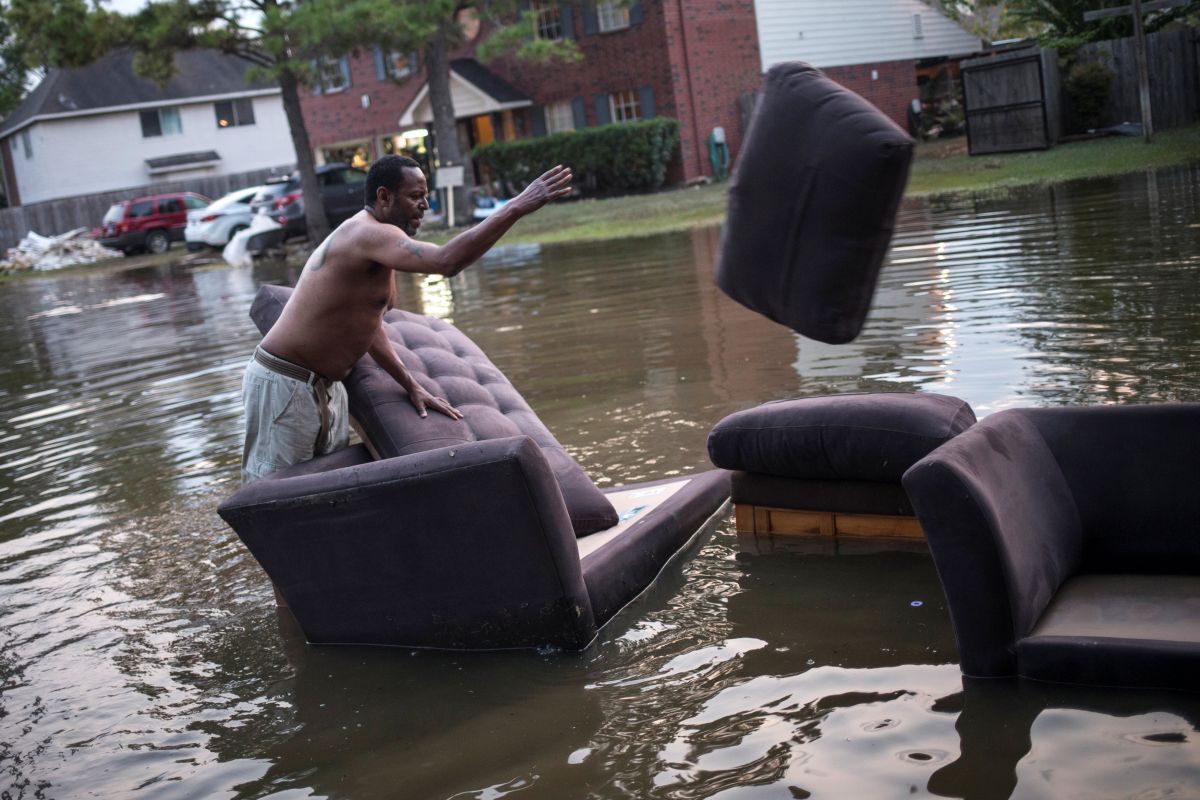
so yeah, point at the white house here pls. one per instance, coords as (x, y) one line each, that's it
(101, 128)
(874, 47)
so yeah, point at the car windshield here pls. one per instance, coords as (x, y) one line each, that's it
(114, 213)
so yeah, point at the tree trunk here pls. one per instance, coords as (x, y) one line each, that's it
(314, 209)
(445, 128)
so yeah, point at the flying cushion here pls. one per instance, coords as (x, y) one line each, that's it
(812, 205)
(448, 364)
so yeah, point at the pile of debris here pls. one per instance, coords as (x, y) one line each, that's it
(53, 252)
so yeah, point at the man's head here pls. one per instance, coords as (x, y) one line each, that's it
(397, 192)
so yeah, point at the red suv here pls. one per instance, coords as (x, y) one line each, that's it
(148, 223)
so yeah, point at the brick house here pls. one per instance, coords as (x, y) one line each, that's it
(697, 61)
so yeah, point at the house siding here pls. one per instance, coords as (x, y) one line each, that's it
(849, 32)
(66, 161)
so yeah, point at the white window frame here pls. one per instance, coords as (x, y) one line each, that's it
(611, 15)
(235, 115)
(327, 67)
(560, 117)
(625, 106)
(549, 18)
(164, 114)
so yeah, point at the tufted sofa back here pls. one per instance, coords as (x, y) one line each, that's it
(447, 363)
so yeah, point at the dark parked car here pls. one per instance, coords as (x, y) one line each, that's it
(341, 192)
(148, 223)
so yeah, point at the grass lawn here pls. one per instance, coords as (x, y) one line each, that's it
(940, 167)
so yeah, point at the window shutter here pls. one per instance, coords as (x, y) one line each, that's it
(380, 64)
(647, 101)
(600, 101)
(591, 20)
(567, 19)
(635, 13)
(315, 65)
(537, 115)
(578, 113)
(344, 63)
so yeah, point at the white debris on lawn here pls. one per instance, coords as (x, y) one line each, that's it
(53, 252)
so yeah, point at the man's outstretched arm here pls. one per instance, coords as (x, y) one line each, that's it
(408, 255)
(385, 356)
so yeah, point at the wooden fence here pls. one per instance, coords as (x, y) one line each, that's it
(1174, 80)
(59, 216)
(1010, 99)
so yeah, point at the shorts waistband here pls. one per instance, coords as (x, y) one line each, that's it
(288, 369)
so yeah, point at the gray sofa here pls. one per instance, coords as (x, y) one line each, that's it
(1068, 543)
(481, 533)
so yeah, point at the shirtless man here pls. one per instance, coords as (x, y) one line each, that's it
(294, 400)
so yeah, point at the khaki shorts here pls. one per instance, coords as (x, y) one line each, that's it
(289, 419)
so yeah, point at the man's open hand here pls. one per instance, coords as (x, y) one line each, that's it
(422, 400)
(554, 183)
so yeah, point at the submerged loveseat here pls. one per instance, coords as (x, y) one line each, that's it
(480, 533)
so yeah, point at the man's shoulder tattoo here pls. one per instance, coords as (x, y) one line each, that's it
(408, 245)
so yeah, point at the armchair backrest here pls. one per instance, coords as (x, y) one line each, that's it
(1135, 473)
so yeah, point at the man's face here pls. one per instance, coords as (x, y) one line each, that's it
(409, 202)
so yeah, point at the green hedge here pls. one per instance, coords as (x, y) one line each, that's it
(620, 157)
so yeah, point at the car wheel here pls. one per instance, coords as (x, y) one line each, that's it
(157, 242)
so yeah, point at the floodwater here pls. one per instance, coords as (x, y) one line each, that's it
(141, 655)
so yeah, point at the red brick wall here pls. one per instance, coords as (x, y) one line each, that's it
(340, 116)
(713, 45)
(614, 61)
(891, 91)
(699, 56)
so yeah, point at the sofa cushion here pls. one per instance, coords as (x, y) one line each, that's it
(869, 437)
(449, 364)
(1118, 630)
(845, 496)
(812, 204)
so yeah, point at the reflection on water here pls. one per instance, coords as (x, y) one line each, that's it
(140, 654)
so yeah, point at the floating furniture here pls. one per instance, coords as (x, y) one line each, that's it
(1068, 543)
(823, 473)
(812, 204)
(461, 534)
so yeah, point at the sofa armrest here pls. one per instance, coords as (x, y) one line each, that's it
(466, 547)
(1003, 531)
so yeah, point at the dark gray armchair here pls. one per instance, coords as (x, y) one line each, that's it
(1068, 543)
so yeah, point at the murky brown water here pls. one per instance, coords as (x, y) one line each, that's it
(140, 654)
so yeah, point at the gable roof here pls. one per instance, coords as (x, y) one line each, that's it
(475, 89)
(110, 83)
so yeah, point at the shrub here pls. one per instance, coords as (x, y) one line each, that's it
(620, 157)
(1088, 84)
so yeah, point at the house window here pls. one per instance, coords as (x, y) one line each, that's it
(625, 106)
(27, 143)
(161, 122)
(333, 74)
(549, 21)
(232, 113)
(918, 29)
(612, 15)
(559, 117)
(400, 65)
